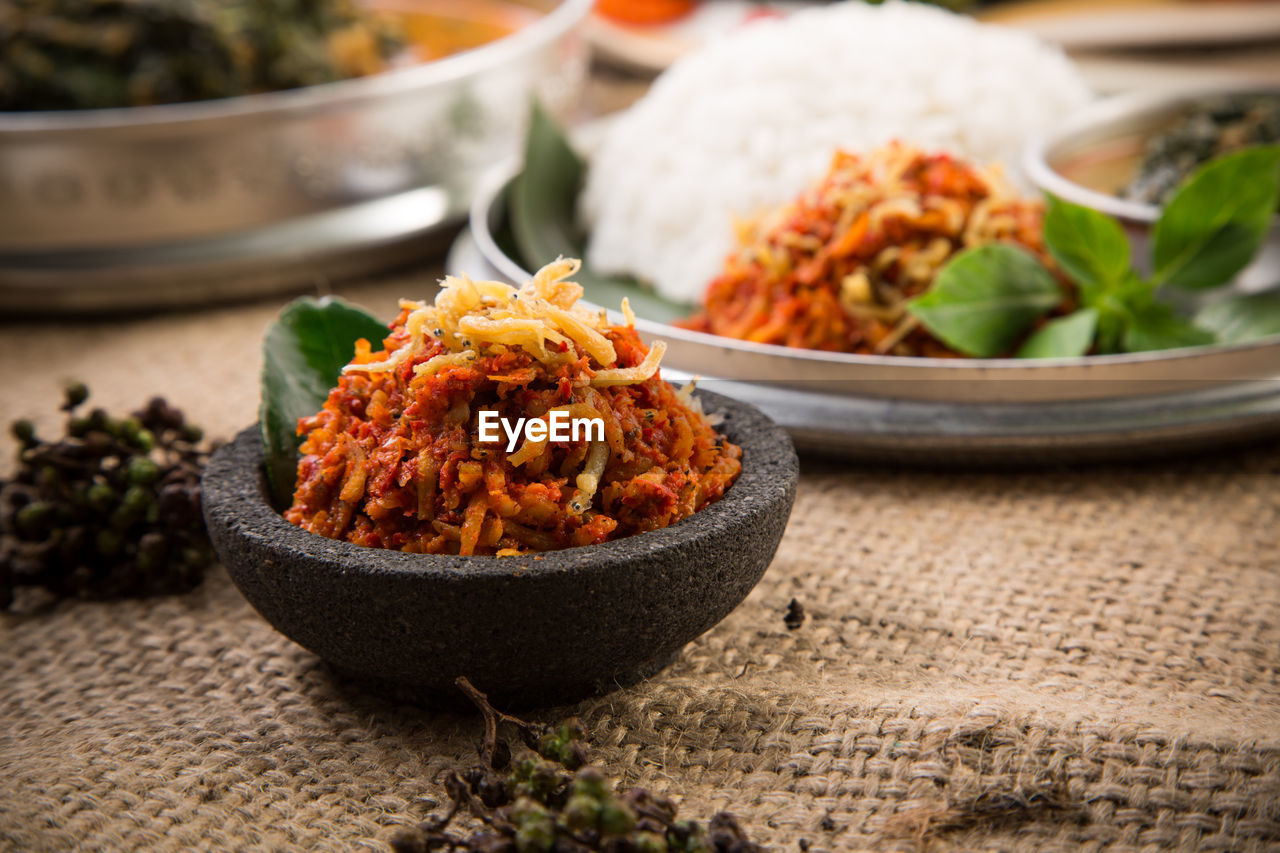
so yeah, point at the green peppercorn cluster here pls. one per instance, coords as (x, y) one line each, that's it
(549, 800)
(110, 509)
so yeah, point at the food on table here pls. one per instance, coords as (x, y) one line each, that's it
(834, 269)
(437, 28)
(395, 459)
(110, 509)
(645, 11)
(740, 124)
(90, 54)
(654, 12)
(1202, 132)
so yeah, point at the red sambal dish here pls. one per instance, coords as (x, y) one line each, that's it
(834, 269)
(395, 457)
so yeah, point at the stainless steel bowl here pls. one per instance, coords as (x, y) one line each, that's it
(217, 199)
(1113, 124)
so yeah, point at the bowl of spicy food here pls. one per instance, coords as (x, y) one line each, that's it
(548, 564)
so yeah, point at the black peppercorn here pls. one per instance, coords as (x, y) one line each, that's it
(110, 509)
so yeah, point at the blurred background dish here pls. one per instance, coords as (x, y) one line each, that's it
(1119, 44)
(1116, 154)
(180, 203)
(99, 54)
(1095, 24)
(621, 35)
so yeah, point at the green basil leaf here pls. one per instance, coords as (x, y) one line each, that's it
(1215, 223)
(303, 353)
(984, 299)
(1156, 327)
(543, 219)
(1062, 337)
(1116, 306)
(1242, 318)
(1090, 246)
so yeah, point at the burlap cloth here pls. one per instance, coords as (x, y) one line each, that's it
(1051, 660)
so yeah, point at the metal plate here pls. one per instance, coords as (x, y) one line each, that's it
(882, 430)
(378, 235)
(932, 380)
(1187, 416)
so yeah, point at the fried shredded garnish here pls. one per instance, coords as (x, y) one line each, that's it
(834, 269)
(470, 317)
(395, 460)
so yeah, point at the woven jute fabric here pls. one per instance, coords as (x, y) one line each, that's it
(1069, 659)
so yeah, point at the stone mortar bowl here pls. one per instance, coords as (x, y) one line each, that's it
(528, 630)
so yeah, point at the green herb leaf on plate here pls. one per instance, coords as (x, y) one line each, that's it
(1155, 327)
(1109, 338)
(543, 218)
(1090, 246)
(1062, 337)
(1237, 319)
(1215, 224)
(303, 353)
(1116, 306)
(986, 298)
(544, 194)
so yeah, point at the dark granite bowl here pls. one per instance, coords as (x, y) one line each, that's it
(528, 630)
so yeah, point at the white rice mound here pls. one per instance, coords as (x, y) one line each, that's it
(750, 120)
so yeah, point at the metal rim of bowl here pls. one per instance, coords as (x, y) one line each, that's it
(492, 188)
(1093, 121)
(555, 23)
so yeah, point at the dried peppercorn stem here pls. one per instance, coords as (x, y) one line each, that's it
(529, 732)
(551, 799)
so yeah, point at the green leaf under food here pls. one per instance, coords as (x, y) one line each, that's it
(1156, 327)
(1090, 246)
(543, 216)
(1062, 337)
(303, 353)
(984, 299)
(1214, 225)
(1237, 319)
